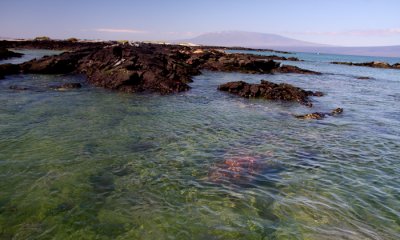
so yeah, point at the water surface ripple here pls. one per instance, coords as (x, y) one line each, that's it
(96, 164)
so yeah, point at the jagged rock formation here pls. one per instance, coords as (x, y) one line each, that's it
(146, 67)
(271, 91)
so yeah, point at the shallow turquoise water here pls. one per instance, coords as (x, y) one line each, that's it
(96, 164)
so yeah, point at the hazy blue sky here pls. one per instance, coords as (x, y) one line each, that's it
(339, 22)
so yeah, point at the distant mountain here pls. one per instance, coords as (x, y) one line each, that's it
(277, 42)
(248, 39)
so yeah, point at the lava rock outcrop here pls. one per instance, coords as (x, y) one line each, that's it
(142, 67)
(269, 90)
(7, 54)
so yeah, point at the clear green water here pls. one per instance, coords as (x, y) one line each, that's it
(95, 164)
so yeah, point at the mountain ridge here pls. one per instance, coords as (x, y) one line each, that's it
(281, 43)
(247, 39)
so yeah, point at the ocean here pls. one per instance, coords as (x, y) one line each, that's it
(91, 163)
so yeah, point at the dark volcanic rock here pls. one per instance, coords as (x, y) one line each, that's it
(51, 44)
(59, 64)
(293, 69)
(320, 115)
(125, 68)
(317, 94)
(148, 68)
(6, 54)
(145, 67)
(275, 57)
(268, 90)
(245, 63)
(269, 57)
(8, 69)
(375, 64)
(293, 59)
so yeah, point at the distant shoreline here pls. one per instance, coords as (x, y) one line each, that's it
(63, 44)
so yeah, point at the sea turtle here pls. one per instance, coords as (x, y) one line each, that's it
(320, 115)
(243, 169)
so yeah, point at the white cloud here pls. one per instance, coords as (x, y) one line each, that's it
(120, 30)
(182, 34)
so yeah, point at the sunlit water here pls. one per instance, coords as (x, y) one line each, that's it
(96, 164)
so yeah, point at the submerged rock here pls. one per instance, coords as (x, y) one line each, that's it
(7, 54)
(320, 115)
(270, 91)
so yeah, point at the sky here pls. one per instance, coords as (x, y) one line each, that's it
(335, 22)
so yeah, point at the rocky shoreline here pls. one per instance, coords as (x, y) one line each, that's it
(371, 64)
(7, 54)
(158, 68)
(66, 45)
(140, 67)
